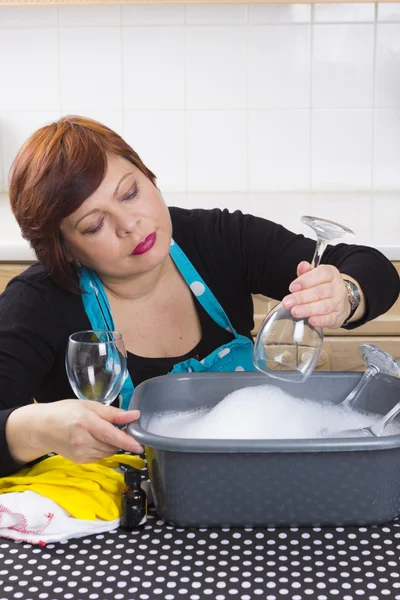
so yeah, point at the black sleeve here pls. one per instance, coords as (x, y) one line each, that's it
(28, 347)
(267, 255)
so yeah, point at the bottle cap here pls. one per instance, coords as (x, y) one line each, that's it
(131, 476)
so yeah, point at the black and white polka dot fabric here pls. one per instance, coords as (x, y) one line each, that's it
(169, 563)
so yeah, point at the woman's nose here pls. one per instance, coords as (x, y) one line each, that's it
(127, 221)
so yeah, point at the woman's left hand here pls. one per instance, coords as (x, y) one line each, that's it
(319, 294)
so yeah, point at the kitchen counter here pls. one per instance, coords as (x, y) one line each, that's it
(374, 217)
(165, 562)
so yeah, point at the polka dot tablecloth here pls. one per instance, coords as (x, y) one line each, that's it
(169, 563)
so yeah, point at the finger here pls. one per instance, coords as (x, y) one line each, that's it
(94, 456)
(322, 274)
(108, 434)
(321, 308)
(112, 414)
(332, 321)
(314, 294)
(303, 267)
(92, 451)
(102, 448)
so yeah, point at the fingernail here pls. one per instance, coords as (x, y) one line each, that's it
(288, 302)
(294, 287)
(298, 312)
(139, 450)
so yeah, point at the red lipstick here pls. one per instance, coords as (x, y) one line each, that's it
(146, 245)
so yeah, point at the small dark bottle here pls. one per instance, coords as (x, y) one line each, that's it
(134, 500)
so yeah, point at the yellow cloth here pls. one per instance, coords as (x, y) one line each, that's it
(90, 491)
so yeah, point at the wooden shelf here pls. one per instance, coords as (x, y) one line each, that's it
(113, 2)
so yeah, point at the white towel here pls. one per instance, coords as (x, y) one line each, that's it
(32, 518)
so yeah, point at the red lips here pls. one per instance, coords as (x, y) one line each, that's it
(146, 245)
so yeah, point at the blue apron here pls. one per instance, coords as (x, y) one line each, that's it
(236, 355)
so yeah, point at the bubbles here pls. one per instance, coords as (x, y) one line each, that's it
(260, 412)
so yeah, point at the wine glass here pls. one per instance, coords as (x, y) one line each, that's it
(95, 362)
(377, 361)
(288, 348)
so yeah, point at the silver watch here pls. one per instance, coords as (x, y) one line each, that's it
(354, 296)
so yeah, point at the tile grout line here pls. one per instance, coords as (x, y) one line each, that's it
(247, 119)
(123, 120)
(310, 144)
(185, 109)
(4, 186)
(373, 157)
(60, 103)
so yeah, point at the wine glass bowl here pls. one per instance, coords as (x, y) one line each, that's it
(96, 365)
(286, 347)
(326, 230)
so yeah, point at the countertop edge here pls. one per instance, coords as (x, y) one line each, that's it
(20, 251)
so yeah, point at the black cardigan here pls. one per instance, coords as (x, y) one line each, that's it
(237, 255)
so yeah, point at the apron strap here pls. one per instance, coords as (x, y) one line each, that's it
(97, 306)
(199, 288)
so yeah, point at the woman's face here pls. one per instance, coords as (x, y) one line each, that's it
(124, 228)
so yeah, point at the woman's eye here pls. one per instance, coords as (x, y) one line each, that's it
(132, 194)
(96, 228)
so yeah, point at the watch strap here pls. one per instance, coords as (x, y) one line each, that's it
(354, 297)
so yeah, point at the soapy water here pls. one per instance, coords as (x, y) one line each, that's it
(263, 412)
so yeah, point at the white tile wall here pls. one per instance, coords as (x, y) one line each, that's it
(279, 13)
(2, 174)
(90, 67)
(342, 66)
(387, 149)
(29, 67)
(387, 90)
(216, 150)
(215, 67)
(217, 98)
(16, 126)
(159, 137)
(279, 66)
(272, 161)
(85, 16)
(153, 61)
(341, 142)
(341, 13)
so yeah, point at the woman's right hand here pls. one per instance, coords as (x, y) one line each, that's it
(80, 430)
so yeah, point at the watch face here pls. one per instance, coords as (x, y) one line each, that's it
(354, 294)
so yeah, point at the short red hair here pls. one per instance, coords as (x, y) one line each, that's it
(54, 172)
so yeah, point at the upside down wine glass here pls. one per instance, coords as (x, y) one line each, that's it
(286, 347)
(96, 366)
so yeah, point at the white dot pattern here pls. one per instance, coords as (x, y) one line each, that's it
(223, 352)
(197, 288)
(161, 561)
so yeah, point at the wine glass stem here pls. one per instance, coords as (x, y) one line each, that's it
(319, 250)
(366, 378)
(377, 428)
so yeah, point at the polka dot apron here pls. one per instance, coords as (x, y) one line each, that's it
(236, 355)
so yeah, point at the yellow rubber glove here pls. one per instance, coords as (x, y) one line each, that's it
(90, 491)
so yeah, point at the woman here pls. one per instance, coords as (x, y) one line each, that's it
(176, 283)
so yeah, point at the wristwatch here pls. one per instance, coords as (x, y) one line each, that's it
(354, 296)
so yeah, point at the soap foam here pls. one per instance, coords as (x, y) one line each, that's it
(261, 412)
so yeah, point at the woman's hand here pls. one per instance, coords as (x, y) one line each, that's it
(80, 430)
(319, 294)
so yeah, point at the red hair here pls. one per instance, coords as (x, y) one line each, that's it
(54, 172)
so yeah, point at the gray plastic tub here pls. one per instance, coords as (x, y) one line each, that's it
(244, 483)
